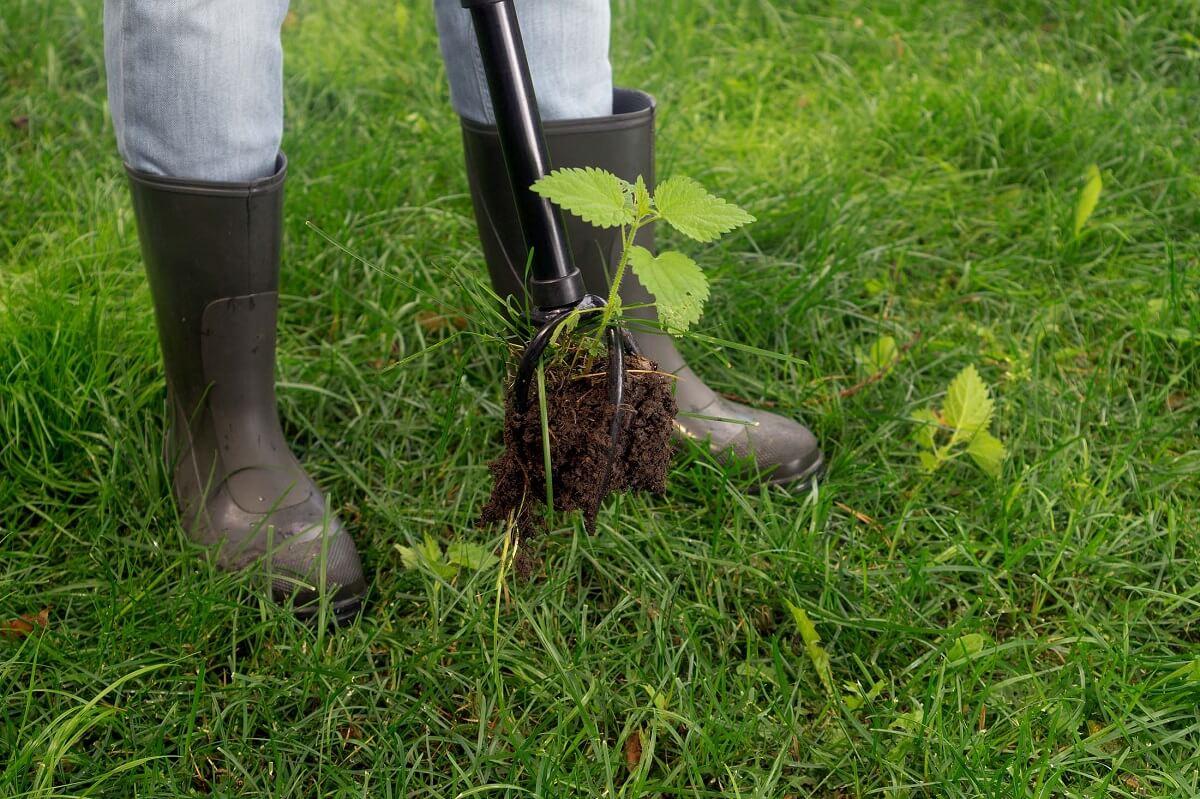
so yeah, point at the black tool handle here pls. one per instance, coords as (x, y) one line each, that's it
(556, 281)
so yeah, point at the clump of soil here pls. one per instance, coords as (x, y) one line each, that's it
(579, 416)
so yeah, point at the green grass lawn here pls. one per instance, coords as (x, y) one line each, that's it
(914, 168)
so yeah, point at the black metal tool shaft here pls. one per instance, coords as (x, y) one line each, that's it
(556, 281)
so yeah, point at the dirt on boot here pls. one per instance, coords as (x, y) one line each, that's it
(579, 415)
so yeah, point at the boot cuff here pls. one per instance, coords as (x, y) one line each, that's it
(212, 188)
(631, 109)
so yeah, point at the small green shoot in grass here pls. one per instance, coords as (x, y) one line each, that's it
(966, 647)
(1089, 195)
(855, 697)
(459, 555)
(961, 426)
(812, 645)
(880, 358)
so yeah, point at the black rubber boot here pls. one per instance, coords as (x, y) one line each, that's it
(784, 450)
(212, 256)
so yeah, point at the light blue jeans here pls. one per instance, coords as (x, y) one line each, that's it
(195, 87)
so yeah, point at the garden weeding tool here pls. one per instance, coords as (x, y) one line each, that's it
(556, 285)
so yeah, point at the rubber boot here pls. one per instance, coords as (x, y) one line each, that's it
(212, 256)
(785, 451)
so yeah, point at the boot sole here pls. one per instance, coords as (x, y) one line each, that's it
(341, 614)
(801, 481)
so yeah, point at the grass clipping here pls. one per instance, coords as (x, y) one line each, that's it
(579, 416)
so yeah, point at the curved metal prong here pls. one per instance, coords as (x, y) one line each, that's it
(627, 340)
(616, 396)
(537, 345)
(529, 360)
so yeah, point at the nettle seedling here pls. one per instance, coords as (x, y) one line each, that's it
(569, 450)
(961, 426)
(677, 283)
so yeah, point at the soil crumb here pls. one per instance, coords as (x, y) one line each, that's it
(579, 416)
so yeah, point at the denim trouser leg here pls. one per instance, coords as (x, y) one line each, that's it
(566, 42)
(195, 87)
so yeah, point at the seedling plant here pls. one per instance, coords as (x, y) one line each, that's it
(562, 452)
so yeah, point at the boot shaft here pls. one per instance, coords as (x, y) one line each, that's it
(212, 252)
(622, 144)
(202, 242)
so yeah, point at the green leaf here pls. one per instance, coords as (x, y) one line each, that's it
(910, 721)
(968, 408)
(854, 698)
(471, 555)
(1089, 195)
(929, 461)
(428, 555)
(880, 357)
(812, 644)
(679, 287)
(928, 425)
(660, 700)
(640, 195)
(430, 549)
(595, 196)
(695, 213)
(1189, 672)
(988, 452)
(967, 646)
(410, 557)
(874, 286)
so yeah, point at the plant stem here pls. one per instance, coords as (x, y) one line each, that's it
(627, 237)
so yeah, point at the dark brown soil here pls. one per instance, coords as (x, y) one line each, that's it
(579, 416)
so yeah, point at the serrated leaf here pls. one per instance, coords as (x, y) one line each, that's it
(966, 646)
(812, 645)
(988, 452)
(593, 195)
(695, 213)
(679, 287)
(1089, 195)
(642, 204)
(430, 549)
(968, 407)
(471, 555)
(427, 554)
(410, 557)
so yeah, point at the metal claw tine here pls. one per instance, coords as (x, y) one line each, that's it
(616, 366)
(529, 360)
(616, 396)
(540, 341)
(628, 342)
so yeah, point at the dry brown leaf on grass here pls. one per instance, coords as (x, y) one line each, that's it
(633, 750)
(25, 624)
